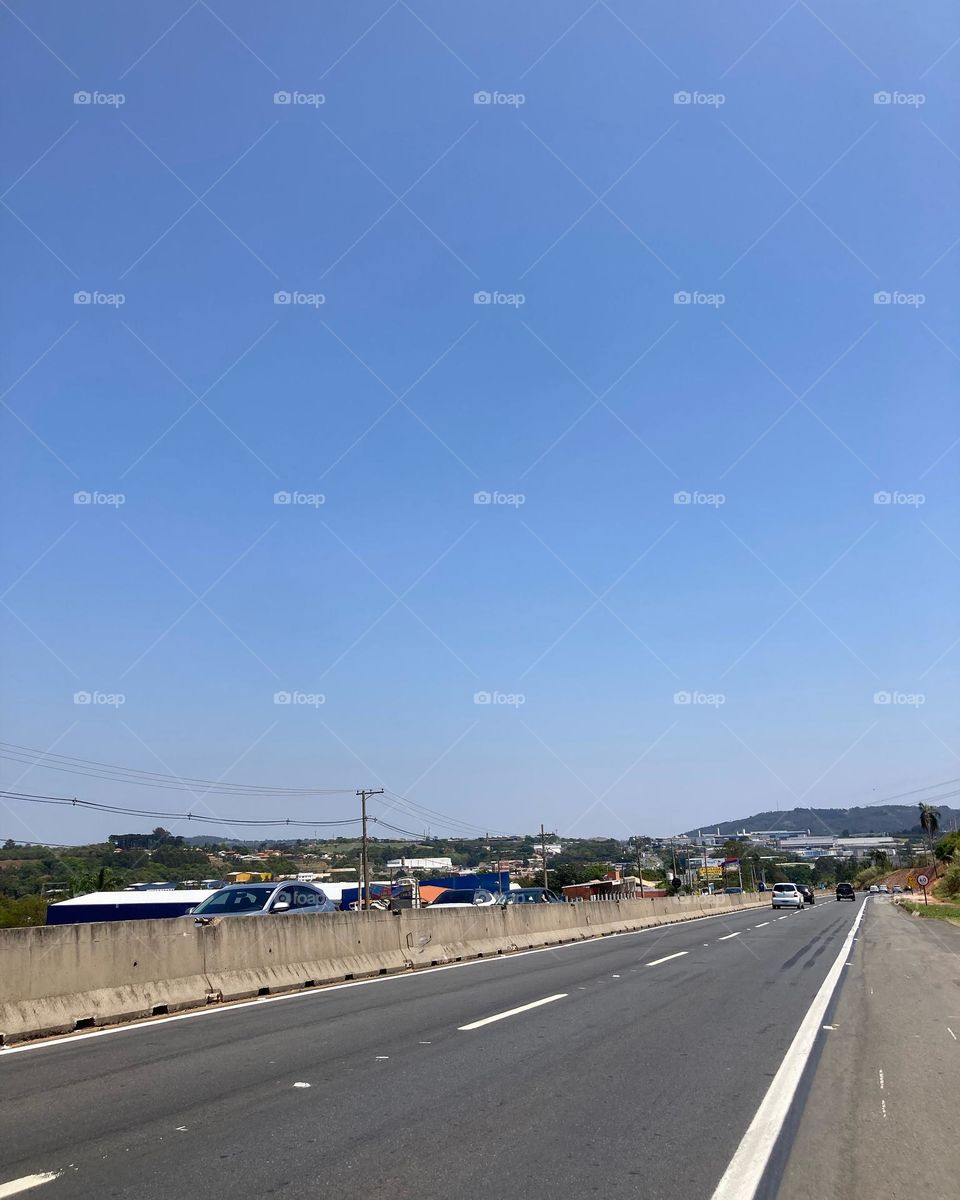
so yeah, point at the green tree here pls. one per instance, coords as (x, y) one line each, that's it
(881, 860)
(84, 882)
(930, 824)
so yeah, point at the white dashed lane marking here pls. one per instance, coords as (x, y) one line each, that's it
(727, 936)
(511, 1012)
(16, 1186)
(657, 961)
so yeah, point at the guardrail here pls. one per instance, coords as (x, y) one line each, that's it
(56, 979)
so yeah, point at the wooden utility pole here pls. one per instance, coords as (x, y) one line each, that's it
(363, 899)
(543, 854)
(639, 864)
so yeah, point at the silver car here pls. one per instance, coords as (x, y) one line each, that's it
(787, 895)
(263, 900)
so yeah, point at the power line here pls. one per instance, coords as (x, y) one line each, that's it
(123, 810)
(418, 837)
(29, 756)
(919, 791)
(415, 809)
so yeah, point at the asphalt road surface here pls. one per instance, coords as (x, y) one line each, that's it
(622, 1067)
(881, 1115)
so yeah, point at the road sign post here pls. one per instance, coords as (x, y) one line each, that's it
(923, 881)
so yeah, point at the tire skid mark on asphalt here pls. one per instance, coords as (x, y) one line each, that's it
(742, 1178)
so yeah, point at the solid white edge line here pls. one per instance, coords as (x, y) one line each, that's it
(726, 936)
(16, 1186)
(315, 993)
(742, 1177)
(512, 1012)
(657, 961)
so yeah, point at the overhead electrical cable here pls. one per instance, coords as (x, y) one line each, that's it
(420, 810)
(123, 810)
(80, 766)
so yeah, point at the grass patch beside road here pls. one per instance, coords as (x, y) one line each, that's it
(941, 912)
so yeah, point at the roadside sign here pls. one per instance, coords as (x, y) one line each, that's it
(922, 880)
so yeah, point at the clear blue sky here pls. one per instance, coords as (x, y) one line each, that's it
(782, 187)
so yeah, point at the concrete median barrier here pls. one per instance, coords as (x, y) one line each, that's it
(60, 978)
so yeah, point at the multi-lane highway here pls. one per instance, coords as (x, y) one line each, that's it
(622, 1067)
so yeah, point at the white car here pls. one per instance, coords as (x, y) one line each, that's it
(787, 895)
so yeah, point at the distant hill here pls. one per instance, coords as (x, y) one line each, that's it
(854, 822)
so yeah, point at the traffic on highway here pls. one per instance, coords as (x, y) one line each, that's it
(671, 1028)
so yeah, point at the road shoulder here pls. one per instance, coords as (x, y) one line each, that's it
(880, 1111)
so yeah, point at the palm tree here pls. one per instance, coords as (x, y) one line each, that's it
(930, 824)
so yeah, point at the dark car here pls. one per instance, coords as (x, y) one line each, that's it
(806, 891)
(845, 892)
(464, 898)
(533, 895)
